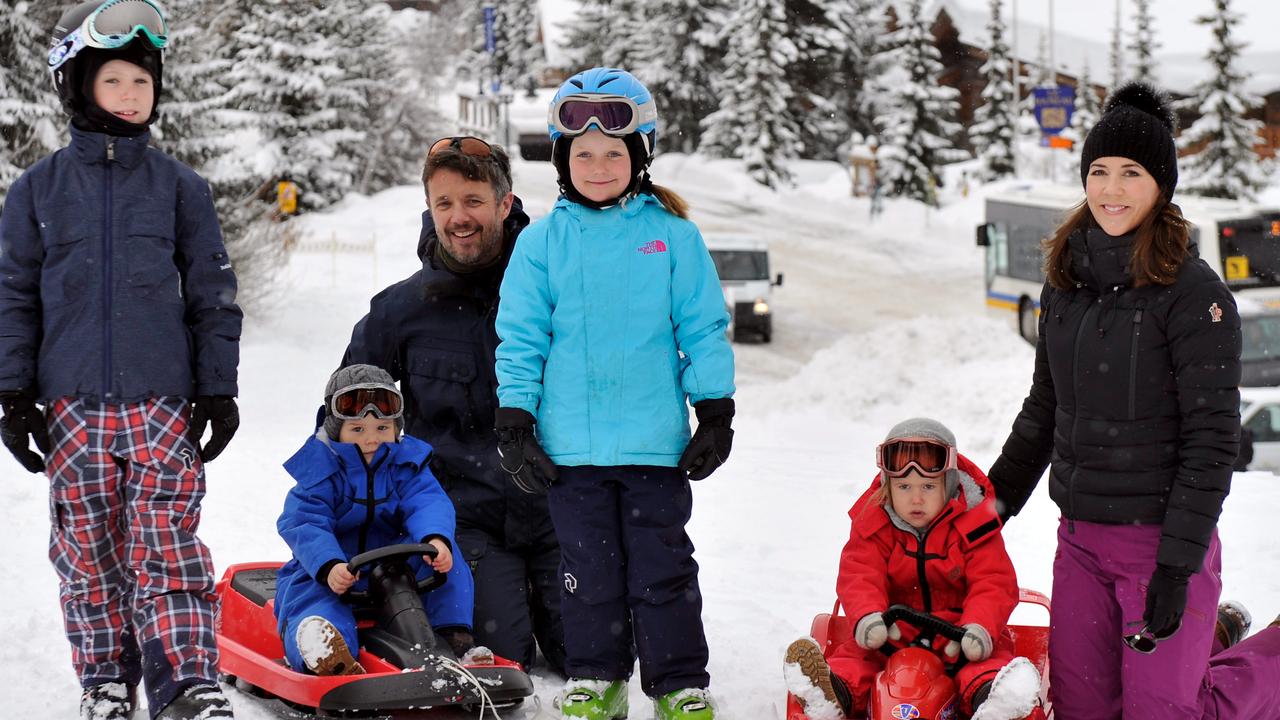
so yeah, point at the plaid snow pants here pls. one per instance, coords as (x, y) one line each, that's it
(136, 583)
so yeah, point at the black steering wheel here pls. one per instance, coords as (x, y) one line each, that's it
(391, 555)
(930, 627)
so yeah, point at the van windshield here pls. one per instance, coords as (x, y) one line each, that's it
(1251, 251)
(1261, 335)
(741, 265)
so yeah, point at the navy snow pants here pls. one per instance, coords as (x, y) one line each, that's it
(629, 580)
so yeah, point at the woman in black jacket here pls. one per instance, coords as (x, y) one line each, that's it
(1134, 405)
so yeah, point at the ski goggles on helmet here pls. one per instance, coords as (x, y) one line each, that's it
(613, 114)
(900, 456)
(468, 145)
(113, 25)
(355, 401)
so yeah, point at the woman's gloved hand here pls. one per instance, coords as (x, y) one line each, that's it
(22, 420)
(711, 443)
(521, 455)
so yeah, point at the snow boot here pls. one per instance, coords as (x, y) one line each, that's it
(1013, 694)
(323, 649)
(198, 702)
(686, 704)
(809, 678)
(593, 699)
(459, 639)
(109, 701)
(477, 655)
(1233, 623)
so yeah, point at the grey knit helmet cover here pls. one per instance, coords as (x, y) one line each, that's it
(922, 427)
(349, 376)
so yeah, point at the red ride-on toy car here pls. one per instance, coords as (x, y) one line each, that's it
(914, 683)
(408, 670)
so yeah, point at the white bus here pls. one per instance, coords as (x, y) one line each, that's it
(1240, 241)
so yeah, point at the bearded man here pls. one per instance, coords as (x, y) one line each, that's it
(434, 332)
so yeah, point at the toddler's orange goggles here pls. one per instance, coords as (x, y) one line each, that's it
(927, 456)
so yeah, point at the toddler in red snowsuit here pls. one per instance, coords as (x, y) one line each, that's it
(926, 535)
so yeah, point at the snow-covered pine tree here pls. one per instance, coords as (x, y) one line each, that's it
(519, 55)
(31, 118)
(859, 24)
(813, 74)
(917, 129)
(631, 30)
(993, 130)
(588, 35)
(1222, 139)
(288, 71)
(753, 122)
(1085, 114)
(1144, 43)
(685, 55)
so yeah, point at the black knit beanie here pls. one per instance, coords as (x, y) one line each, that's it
(1137, 123)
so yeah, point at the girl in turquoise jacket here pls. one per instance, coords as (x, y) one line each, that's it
(611, 322)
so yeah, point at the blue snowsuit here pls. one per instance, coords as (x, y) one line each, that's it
(611, 322)
(342, 507)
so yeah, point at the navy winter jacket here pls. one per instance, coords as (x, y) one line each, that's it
(115, 285)
(434, 332)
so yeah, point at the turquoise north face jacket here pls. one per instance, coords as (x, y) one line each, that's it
(610, 322)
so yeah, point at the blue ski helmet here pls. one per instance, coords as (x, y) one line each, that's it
(614, 102)
(609, 82)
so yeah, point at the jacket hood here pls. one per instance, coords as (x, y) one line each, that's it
(320, 457)
(972, 509)
(428, 241)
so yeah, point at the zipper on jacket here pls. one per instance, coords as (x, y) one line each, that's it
(106, 277)
(922, 556)
(1133, 365)
(370, 501)
(1075, 417)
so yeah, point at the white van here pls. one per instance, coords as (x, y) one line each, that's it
(1238, 240)
(743, 266)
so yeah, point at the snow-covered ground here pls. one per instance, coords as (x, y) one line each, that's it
(875, 323)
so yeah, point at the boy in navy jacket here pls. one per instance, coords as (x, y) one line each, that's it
(118, 315)
(361, 486)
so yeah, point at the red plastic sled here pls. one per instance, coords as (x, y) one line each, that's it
(935, 691)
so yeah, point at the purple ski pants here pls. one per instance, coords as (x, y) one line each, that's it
(1100, 575)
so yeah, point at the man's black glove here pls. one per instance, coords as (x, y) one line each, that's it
(221, 411)
(22, 418)
(1166, 600)
(521, 455)
(710, 445)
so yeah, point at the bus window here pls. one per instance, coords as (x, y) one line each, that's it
(1250, 251)
(1261, 336)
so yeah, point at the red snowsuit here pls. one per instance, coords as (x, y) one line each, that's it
(965, 576)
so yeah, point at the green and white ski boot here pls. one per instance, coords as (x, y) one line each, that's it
(686, 704)
(593, 699)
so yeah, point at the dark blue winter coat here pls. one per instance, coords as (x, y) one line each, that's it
(114, 281)
(434, 332)
(341, 507)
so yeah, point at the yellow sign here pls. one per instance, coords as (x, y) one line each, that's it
(287, 197)
(1237, 267)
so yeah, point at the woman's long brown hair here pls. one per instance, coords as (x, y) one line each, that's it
(1161, 243)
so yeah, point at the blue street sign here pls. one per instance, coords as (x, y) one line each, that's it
(490, 16)
(1053, 107)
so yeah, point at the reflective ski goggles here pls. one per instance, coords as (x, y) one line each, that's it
(926, 456)
(613, 114)
(355, 401)
(467, 144)
(113, 25)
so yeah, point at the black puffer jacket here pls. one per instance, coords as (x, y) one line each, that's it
(434, 333)
(1134, 400)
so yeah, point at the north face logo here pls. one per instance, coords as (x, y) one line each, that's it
(653, 246)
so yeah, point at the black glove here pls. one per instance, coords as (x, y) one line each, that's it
(23, 418)
(710, 445)
(521, 455)
(1166, 599)
(225, 416)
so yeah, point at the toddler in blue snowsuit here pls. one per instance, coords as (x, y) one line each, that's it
(361, 487)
